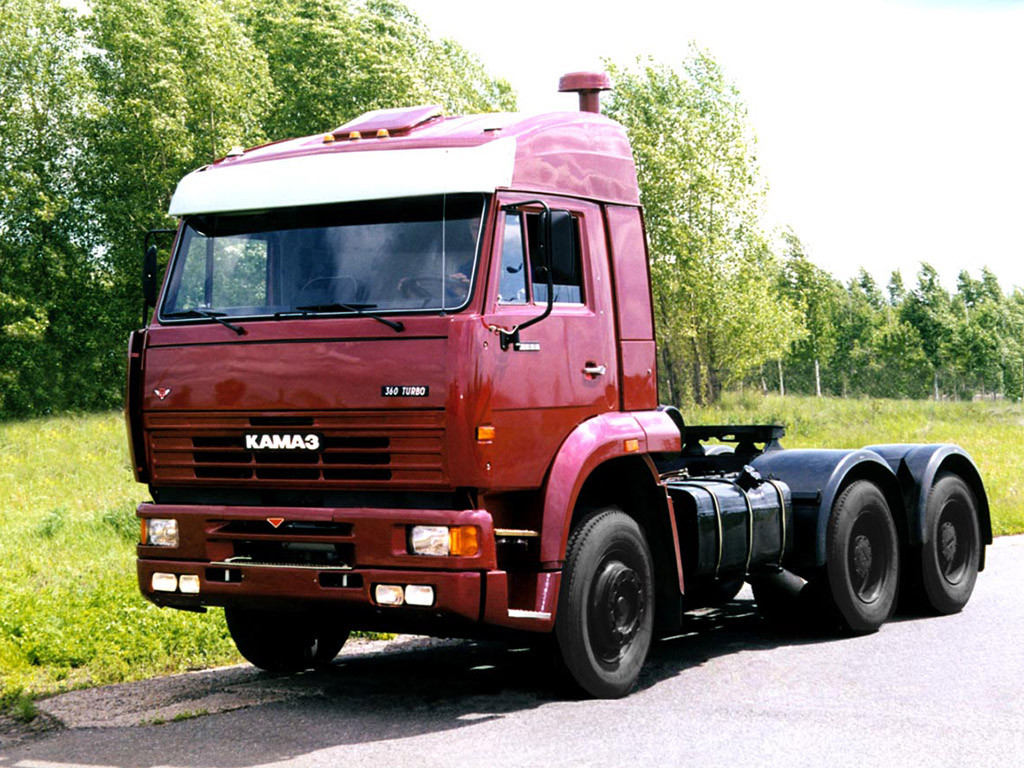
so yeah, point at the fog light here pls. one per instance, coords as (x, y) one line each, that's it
(189, 584)
(164, 582)
(419, 594)
(429, 540)
(388, 594)
(161, 533)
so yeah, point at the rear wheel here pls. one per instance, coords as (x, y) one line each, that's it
(283, 642)
(951, 551)
(606, 606)
(862, 558)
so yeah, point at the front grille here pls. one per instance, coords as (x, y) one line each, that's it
(286, 529)
(308, 554)
(385, 448)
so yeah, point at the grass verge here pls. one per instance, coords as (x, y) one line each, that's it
(70, 611)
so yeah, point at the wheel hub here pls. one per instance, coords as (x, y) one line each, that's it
(618, 603)
(947, 546)
(955, 543)
(868, 556)
(862, 556)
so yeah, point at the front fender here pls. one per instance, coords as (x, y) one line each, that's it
(591, 444)
(816, 477)
(917, 466)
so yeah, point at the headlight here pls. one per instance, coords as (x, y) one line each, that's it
(440, 540)
(429, 540)
(161, 533)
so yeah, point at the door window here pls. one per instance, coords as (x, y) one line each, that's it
(518, 285)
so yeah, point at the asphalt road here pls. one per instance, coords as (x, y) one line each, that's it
(922, 691)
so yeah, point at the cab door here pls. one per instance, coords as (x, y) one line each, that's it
(565, 370)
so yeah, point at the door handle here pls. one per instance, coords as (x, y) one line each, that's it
(594, 370)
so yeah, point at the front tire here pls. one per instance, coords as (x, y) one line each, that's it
(606, 605)
(283, 642)
(862, 558)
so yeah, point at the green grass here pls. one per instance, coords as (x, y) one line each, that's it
(70, 611)
(989, 431)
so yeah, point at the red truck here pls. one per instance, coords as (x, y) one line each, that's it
(402, 377)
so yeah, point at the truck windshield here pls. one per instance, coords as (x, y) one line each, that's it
(413, 254)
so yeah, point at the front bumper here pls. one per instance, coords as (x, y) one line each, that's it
(373, 550)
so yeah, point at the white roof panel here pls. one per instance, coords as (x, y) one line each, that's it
(336, 177)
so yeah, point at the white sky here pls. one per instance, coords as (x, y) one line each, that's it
(890, 133)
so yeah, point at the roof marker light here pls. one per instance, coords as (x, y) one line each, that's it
(354, 136)
(328, 138)
(382, 133)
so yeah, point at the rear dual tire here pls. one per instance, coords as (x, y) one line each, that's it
(945, 568)
(862, 558)
(857, 587)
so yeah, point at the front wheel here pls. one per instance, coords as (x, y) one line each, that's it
(862, 558)
(283, 642)
(606, 606)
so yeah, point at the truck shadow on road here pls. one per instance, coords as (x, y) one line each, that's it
(412, 690)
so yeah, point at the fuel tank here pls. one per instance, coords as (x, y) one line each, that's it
(731, 525)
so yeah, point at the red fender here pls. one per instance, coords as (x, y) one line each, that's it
(592, 443)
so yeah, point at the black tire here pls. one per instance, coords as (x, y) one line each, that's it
(948, 560)
(283, 642)
(862, 558)
(606, 604)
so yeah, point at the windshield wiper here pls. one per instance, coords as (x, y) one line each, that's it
(359, 309)
(215, 316)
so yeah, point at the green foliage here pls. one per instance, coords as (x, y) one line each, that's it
(718, 313)
(330, 62)
(917, 343)
(18, 705)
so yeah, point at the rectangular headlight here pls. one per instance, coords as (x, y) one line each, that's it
(161, 533)
(189, 583)
(429, 540)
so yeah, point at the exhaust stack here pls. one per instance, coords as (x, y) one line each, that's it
(588, 85)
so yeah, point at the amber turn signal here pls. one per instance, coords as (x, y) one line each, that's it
(484, 433)
(463, 540)
(632, 446)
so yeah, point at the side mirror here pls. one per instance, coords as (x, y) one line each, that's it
(149, 278)
(562, 249)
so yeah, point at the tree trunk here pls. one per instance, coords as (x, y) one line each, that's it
(817, 378)
(782, 383)
(935, 380)
(673, 389)
(698, 383)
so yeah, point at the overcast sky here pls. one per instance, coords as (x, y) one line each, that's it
(890, 133)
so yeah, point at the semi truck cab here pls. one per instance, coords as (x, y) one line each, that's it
(402, 376)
